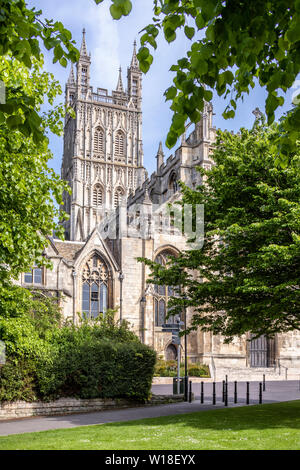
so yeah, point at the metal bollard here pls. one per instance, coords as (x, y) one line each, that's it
(223, 390)
(264, 383)
(247, 393)
(214, 393)
(202, 393)
(260, 393)
(190, 392)
(235, 392)
(226, 394)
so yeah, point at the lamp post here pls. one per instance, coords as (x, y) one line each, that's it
(121, 279)
(186, 379)
(74, 274)
(143, 305)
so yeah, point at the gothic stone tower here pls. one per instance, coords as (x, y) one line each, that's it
(103, 153)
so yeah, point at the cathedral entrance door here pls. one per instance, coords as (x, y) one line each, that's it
(262, 352)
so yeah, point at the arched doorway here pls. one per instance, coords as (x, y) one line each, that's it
(171, 353)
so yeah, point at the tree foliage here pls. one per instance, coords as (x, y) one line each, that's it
(21, 31)
(29, 188)
(233, 44)
(246, 276)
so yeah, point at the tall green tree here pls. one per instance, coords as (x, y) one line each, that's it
(246, 276)
(234, 44)
(30, 190)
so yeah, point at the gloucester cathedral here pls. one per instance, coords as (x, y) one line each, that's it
(117, 214)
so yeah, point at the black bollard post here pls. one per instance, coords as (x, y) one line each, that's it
(202, 392)
(223, 391)
(214, 393)
(247, 394)
(235, 392)
(190, 392)
(264, 383)
(260, 393)
(226, 394)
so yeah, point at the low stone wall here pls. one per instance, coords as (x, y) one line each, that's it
(64, 406)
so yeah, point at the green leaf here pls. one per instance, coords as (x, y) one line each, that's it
(207, 95)
(143, 53)
(189, 32)
(200, 22)
(170, 93)
(178, 121)
(116, 12)
(63, 61)
(14, 121)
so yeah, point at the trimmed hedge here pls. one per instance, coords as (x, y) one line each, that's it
(100, 369)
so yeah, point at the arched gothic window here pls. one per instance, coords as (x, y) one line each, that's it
(119, 145)
(95, 287)
(162, 295)
(118, 197)
(97, 195)
(173, 185)
(99, 140)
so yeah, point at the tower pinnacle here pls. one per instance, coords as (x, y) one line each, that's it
(160, 156)
(83, 49)
(71, 79)
(120, 83)
(134, 60)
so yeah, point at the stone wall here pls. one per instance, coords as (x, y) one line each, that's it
(64, 406)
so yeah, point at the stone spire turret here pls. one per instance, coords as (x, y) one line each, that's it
(71, 79)
(120, 83)
(134, 78)
(160, 156)
(83, 69)
(70, 91)
(83, 49)
(134, 61)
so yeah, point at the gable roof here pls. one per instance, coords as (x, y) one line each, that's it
(68, 250)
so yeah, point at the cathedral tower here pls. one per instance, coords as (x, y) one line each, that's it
(103, 152)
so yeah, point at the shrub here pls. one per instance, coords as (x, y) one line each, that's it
(169, 369)
(98, 369)
(96, 359)
(17, 381)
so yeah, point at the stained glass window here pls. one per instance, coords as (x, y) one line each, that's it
(95, 282)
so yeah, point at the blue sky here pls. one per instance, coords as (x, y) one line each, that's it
(111, 43)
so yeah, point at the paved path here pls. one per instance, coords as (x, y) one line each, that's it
(275, 392)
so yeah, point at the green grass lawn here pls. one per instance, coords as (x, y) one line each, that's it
(267, 427)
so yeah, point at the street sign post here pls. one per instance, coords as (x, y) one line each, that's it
(174, 328)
